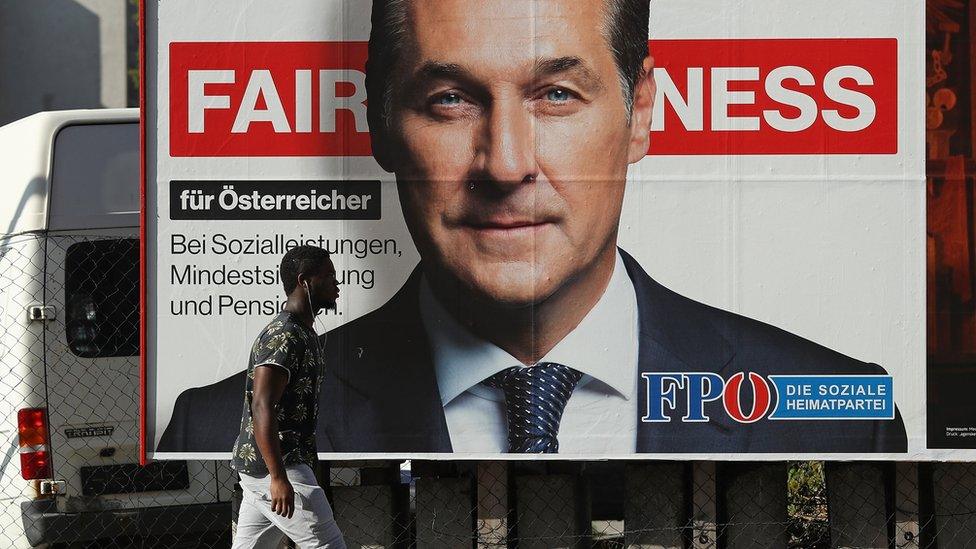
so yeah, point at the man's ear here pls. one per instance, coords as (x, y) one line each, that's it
(641, 112)
(301, 280)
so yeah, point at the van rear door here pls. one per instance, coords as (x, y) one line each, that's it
(92, 343)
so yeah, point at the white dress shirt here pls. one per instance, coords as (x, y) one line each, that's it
(601, 416)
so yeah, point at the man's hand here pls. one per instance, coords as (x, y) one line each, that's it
(282, 497)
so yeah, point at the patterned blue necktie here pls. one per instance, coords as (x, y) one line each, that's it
(535, 398)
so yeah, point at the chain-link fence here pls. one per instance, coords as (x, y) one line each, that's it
(659, 505)
(69, 311)
(70, 414)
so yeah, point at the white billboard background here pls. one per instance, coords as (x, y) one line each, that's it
(829, 247)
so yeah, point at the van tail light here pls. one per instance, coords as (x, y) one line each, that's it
(35, 457)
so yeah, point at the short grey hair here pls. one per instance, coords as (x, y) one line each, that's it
(625, 28)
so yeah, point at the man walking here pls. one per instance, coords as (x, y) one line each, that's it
(275, 449)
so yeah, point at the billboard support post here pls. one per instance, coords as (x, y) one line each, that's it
(705, 514)
(906, 505)
(858, 506)
(492, 504)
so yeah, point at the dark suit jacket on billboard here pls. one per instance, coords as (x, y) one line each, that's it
(380, 393)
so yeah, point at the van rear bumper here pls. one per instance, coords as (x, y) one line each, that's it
(44, 524)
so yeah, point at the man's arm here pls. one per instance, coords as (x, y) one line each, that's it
(269, 385)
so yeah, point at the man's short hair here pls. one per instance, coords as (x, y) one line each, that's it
(300, 260)
(625, 29)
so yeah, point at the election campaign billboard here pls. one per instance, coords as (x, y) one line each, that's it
(693, 232)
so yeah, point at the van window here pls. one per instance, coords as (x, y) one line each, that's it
(95, 177)
(102, 298)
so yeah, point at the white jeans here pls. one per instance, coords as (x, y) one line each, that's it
(312, 525)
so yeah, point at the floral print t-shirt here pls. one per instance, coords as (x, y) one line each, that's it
(287, 344)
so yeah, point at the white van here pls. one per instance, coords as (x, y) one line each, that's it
(69, 345)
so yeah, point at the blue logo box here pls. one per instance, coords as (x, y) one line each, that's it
(833, 397)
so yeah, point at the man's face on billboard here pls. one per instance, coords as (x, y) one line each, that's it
(514, 141)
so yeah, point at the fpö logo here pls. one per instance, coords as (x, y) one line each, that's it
(684, 396)
(714, 97)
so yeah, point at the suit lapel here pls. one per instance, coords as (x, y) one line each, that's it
(388, 380)
(674, 336)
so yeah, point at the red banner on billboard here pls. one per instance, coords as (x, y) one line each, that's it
(776, 96)
(268, 99)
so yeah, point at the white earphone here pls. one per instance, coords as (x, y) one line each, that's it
(308, 296)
